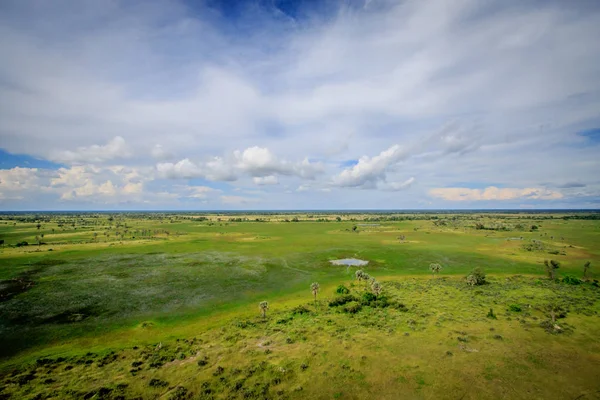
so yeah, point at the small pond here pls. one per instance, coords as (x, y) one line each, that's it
(350, 262)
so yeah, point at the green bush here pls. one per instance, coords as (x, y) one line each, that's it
(341, 289)
(352, 307)
(571, 280)
(476, 277)
(491, 314)
(300, 310)
(341, 300)
(367, 298)
(515, 308)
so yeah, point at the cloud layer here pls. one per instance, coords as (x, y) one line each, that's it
(376, 104)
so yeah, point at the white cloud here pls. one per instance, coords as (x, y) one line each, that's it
(114, 149)
(494, 193)
(18, 179)
(201, 192)
(394, 186)
(265, 180)
(509, 84)
(371, 170)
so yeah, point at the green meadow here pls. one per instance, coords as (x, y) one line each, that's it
(166, 306)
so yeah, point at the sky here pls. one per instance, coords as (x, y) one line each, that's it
(281, 104)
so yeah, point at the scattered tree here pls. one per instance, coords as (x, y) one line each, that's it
(263, 306)
(586, 268)
(435, 269)
(476, 277)
(38, 226)
(2, 242)
(314, 288)
(551, 267)
(376, 288)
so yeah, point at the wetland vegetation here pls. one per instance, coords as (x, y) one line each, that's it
(249, 305)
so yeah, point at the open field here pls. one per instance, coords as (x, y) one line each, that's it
(165, 305)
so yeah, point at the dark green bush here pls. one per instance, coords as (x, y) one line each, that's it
(515, 308)
(342, 290)
(491, 314)
(341, 300)
(571, 280)
(154, 382)
(299, 310)
(367, 298)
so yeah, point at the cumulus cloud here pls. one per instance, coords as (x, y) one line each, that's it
(371, 170)
(18, 179)
(257, 162)
(493, 193)
(114, 149)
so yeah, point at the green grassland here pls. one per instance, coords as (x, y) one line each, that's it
(151, 305)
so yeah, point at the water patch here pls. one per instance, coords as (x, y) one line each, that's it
(354, 262)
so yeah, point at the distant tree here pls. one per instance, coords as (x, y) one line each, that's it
(314, 288)
(95, 236)
(377, 289)
(2, 242)
(37, 239)
(38, 226)
(586, 268)
(551, 267)
(263, 306)
(359, 274)
(402, 238)
(476, 277)
(338, 219)
(435, 268)
(354, 228)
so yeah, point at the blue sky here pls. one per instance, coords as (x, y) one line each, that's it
(273, 104)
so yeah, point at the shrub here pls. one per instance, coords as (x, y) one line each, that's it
(179, 394)
(571, 280)
(368, 298)
(154, 382)
(491, 314)
(352, 307)
(476, 277)
(299, 310)
(341, 300)
(515, 308)
(341, 289)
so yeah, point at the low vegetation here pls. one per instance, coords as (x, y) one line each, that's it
(165, 306)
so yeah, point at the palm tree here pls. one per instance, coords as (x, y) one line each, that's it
(263, 306)
(359, 274)
(314, 288)
(586, 268)
(376, 288)
(435, 268)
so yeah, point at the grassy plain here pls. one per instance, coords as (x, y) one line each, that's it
(165, 306)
